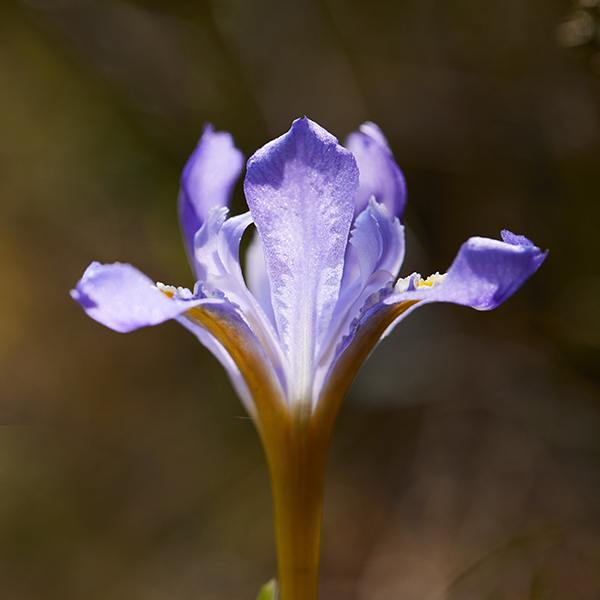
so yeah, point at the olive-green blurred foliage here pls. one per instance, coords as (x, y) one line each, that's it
(466, 461)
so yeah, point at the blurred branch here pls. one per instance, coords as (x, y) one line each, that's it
(514, 546)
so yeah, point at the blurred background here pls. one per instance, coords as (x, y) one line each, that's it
(466, 462)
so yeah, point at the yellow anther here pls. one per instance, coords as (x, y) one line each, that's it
(167, 290)
(432, 280)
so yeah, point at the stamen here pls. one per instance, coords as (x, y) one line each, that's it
(174, 292)
(167, 290)
(416, 281)
(432, 280)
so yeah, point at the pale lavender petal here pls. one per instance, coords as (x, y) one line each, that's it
(300, 189)
(257, 277)
(376, 242)
(366, 245)
(207, 180)
(373, 259)
(121, 297)
(207, 264)
(229, 243)
(347, 317)
(217, 264)
(217, 247)
(217, 261)
(380, 176)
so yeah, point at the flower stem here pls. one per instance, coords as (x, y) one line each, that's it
(297, 456)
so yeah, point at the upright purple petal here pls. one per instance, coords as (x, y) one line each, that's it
(300, 189)
(380, 176)
(207, 180)
(122, 298)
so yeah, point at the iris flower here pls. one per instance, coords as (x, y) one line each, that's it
(319, 290)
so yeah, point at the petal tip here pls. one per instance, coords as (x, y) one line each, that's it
(380, 175)
(207, 179)
(305, 142)
(515, 239)
(122, 298)
(305, 126)
(82, 298)
(373, 132)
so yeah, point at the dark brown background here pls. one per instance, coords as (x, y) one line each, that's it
(466, 461)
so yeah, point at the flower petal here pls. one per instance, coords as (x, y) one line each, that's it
(207, 180)
(121, 297)
(216, 258)
(300, 189)
(380, 176)
(484, 274)
(376, 242)
(217, 248)
(366, 332)
(373, 259)
(257, 277)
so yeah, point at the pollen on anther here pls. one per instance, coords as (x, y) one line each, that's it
(431, 281)
(167, 290)
(416, 281)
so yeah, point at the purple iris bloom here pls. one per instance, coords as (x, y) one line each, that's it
(320, 286)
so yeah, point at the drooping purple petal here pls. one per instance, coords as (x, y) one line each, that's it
(207, 180)
(300, 189)
(121, 297)
(380, 176)
(484, 274)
